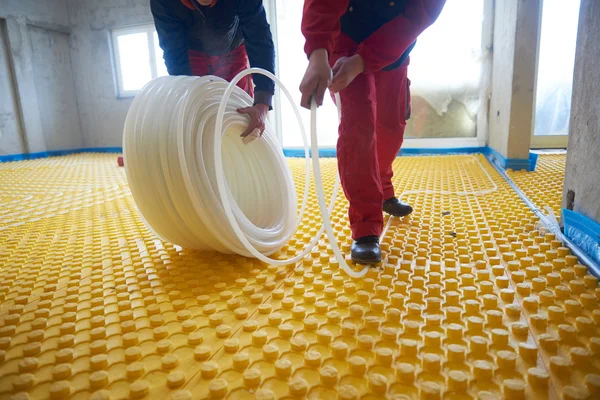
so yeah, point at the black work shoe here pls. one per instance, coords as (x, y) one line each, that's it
(396, 208)
(365, 250)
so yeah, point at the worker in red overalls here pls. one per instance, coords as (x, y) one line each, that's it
(219, 37)
(360, 48)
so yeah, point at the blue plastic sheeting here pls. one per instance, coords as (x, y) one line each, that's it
(583, 231)
(299, 153)
(330, 152)
(56, 153)
(511, 163)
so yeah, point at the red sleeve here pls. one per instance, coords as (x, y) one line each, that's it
(321, 22)
(390, 41)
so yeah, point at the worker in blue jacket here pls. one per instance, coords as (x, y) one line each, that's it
(222, 38)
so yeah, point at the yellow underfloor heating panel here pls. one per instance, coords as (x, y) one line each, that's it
(544, 186)
(470, 301)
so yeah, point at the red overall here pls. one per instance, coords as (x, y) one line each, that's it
(374, 111)
(226, 66)
(376, 103)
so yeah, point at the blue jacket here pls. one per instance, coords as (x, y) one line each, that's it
(215, 31)
(365, 17)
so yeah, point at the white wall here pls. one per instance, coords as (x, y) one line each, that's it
(37, 108)
(102, 113)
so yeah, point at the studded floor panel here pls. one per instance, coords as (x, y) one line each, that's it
(469, 303)
(544, 186)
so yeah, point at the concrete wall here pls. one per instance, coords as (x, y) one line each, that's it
(516, 39)
(102, 113)
(582, 176)
(29, 63)
(55, 89)
(11, 139)
(49, 13)
(57, 86)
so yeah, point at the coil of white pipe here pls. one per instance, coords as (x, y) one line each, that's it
(167, 131)
(209, 191)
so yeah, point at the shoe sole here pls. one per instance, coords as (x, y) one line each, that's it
(398, 215)
(366, 262)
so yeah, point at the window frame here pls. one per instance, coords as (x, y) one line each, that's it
(149, 29)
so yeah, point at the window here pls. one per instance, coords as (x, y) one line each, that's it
(556, 60)
(138, 58)
(446, 68)
(447, 73)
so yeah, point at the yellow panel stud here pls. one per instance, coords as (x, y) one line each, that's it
(135, 371)
(23, 382)
(28, 364)
(378, 383)
(100, 395)
(202, 353)
(347, 392)
(430, 391)
(60, 390)
(574, 393)
(217, 388)
(181, 395)
(312, 359)
(358, 365)
(592, 383)
(264, 394)
(175, 379)
(98, 380)
(298, 387)
(139, 389)
(458, 381)
(329, 376)
(252, 378)
(514, 389)
(340, 350)
(283, 368)
(240, 361)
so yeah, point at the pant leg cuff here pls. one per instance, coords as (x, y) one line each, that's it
(361, 229)
(388, 194)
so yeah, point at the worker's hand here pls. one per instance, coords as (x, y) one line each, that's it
(344, 72)
(316, 78)
(258, 118)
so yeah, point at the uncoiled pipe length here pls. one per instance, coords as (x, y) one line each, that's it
(183, 189)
